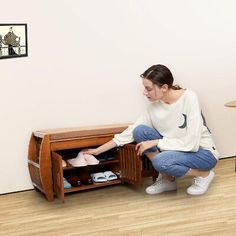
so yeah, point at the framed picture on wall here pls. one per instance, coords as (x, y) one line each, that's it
(13, 40)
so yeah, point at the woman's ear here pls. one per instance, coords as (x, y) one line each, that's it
(164, 87)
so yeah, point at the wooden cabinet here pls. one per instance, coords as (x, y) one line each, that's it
(49, 148)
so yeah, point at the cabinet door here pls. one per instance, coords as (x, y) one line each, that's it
(131, 164)
(57, 173)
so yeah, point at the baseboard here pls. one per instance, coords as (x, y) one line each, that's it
(17, 191)
(223, 158)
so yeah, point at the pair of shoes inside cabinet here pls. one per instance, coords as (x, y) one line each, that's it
(78, 178)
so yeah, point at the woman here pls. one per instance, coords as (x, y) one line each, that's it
(172, 133)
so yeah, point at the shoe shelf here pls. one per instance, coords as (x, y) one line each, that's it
(49, 148)
(70, 167)
(91, 186)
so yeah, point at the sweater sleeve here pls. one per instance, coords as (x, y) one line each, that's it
(191, 140)
(127, 135)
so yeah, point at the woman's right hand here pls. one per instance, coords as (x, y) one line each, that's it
(103, 148)
(91, 151)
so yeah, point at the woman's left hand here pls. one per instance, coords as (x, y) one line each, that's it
(141, 147)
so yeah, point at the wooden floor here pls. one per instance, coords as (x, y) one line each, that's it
(125, 210)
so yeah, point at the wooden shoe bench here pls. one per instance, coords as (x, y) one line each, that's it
(47, 149)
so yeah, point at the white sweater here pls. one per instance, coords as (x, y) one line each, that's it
(181, 125)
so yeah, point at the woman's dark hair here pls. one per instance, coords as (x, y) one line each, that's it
(160, 75)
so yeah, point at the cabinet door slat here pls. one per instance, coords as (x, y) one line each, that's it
(131, 164)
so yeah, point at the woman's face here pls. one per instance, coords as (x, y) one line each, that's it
(152, 91)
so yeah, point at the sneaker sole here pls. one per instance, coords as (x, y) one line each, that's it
(168, 190)
(201, 193)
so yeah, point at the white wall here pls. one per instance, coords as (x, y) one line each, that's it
(85, 58)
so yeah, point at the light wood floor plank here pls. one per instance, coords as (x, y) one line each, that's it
(126, 210)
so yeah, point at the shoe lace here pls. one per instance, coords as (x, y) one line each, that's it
(158, 181)
(197, 181)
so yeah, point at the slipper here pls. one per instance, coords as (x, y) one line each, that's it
(110, 155)
(110, 158)
(90, 159)
(66, 183)
(101, 157)
(109, 175)
(98, 177)
(64, 163)
(78, 161)
(106, 157)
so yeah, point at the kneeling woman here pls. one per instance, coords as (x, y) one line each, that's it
(172, 133)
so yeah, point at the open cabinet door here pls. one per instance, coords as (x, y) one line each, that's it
(131, 165)
(57, 175)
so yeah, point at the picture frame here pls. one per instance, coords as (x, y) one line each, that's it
(13, 41)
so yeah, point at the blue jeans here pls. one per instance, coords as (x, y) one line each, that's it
(174, 163)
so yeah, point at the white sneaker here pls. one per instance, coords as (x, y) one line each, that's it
(161, 185)
(200, 184)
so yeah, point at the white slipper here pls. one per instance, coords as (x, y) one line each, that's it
(64, 163)
(78, 161)
(110, 175)
(98, 177)
(90, 159)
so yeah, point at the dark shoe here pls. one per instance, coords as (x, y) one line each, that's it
(73, 179)
(85, 178)
(107, 156)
